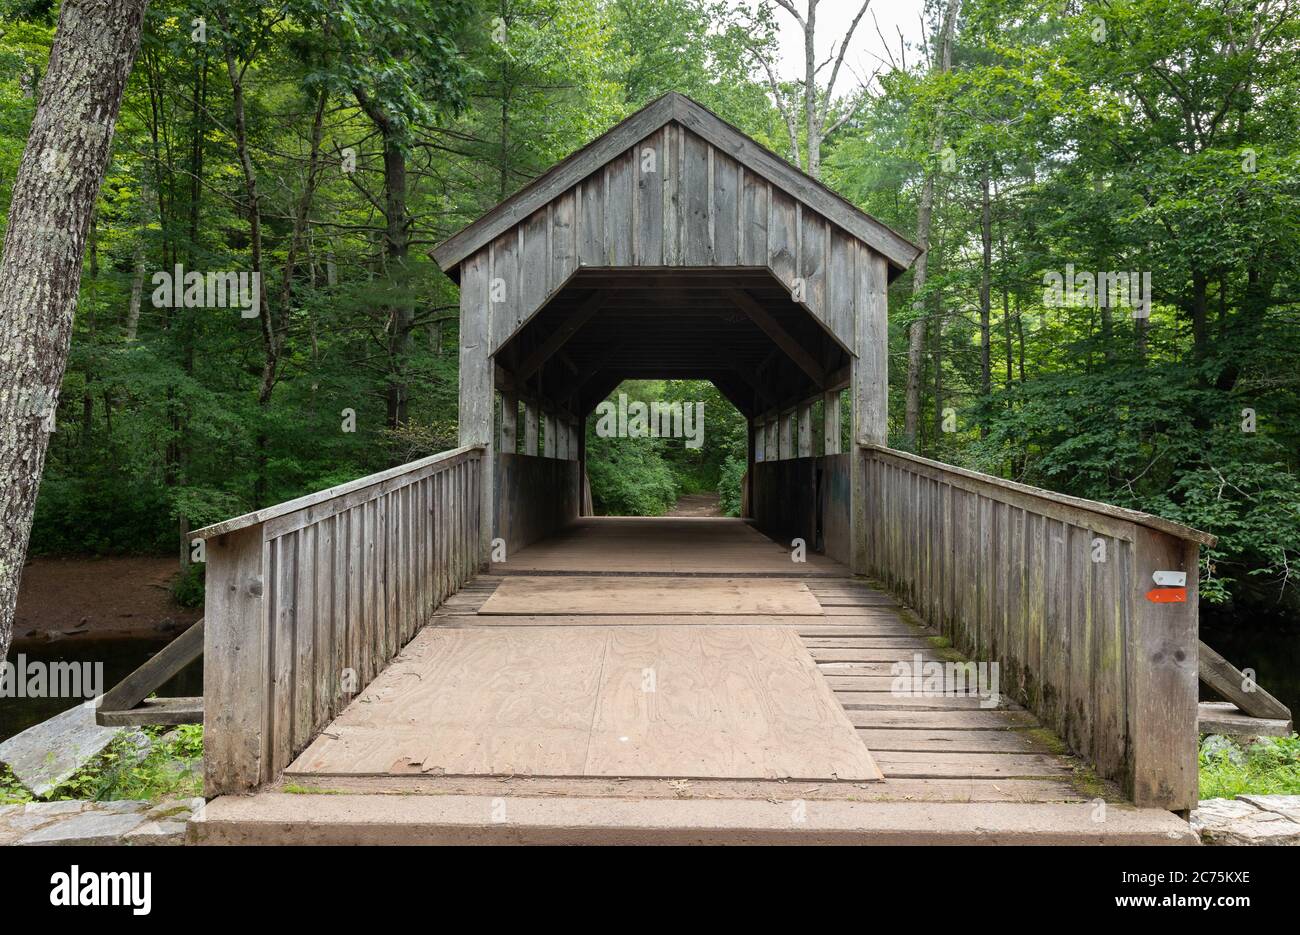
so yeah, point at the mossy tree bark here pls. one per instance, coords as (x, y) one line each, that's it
(54, 197)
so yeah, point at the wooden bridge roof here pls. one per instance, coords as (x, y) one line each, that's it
(675, 107)
(673, 246)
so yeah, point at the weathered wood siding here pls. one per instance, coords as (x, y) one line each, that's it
(672, 200)
(1054, 593)
(306, 603)
(787, 497)
(535, 497)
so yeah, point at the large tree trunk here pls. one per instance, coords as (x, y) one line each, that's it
(920, 269)
(401, 316)
(986, 285)
(54, 198)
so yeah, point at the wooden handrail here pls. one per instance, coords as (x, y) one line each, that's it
(330, 493)
(308, 600)
(1051, 497)
(1061, 594)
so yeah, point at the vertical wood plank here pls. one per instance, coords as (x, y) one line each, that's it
(649, 167)
(283, 649)
(591, 220)
(1163, 676)
(235, 692)
(754, 211)
(548, 441)
(781, 235)
(509, 422)
(726, 208)
(563, 238)
(696, 243)
(805, 430)
(831, 420)
(619, 187)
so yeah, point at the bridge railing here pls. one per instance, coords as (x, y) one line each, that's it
(1054, 589)
(307, 601)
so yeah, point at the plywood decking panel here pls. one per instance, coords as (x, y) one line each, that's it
(566, 701)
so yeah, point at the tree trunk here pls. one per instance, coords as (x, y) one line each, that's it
(401, 314)
(986, 281)
(54, 196)
(920, 269)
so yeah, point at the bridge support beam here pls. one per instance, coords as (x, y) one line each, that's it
(477, 389)
(869, 387)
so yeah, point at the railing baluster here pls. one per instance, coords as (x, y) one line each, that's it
(1013, 575)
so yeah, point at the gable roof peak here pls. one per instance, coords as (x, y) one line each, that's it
(673, 106)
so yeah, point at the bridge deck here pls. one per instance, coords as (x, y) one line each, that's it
(533, 690)
(584, 626)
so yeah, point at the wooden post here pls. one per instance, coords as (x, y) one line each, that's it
(757, 442)
(769, 441)
(805, 430)
(584, 505)
(831, 422)
(509, 422)
(751, 458)
(870, 390)
(1162, 670)
(548, 443)
(530, 427)
(476, 385)
(786, 443)
(236, 670)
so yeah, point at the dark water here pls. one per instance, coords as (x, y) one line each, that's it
(1267, 643)
(120, 659)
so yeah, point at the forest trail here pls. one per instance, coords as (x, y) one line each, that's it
(697, 504)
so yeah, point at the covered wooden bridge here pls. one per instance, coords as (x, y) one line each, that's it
(459, 629)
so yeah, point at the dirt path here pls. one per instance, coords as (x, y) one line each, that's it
(697, 504)
(98, 598)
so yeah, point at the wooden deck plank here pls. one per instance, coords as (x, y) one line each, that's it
(588, 595)
(930, 765)
(951, 741)
(679, 629)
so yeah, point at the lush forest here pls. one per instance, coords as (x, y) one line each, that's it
(1031, 146)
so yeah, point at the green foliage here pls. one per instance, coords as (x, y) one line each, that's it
(167, 769)
(644, 476)
(187, 589)
(1167, 145)
(629, 476)
(1270, 766)
(729, 481)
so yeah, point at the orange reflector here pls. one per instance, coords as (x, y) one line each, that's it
(1167, 595)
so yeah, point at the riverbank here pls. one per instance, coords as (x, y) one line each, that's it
(85, 599)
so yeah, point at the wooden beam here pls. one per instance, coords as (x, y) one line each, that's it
(530, 427)
(1229, 681)
(509, 421)
(548, 434)
(561, 335)
(153, 673)
(156, 711)
(782, 338)
(805, 430)
(831, 422)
